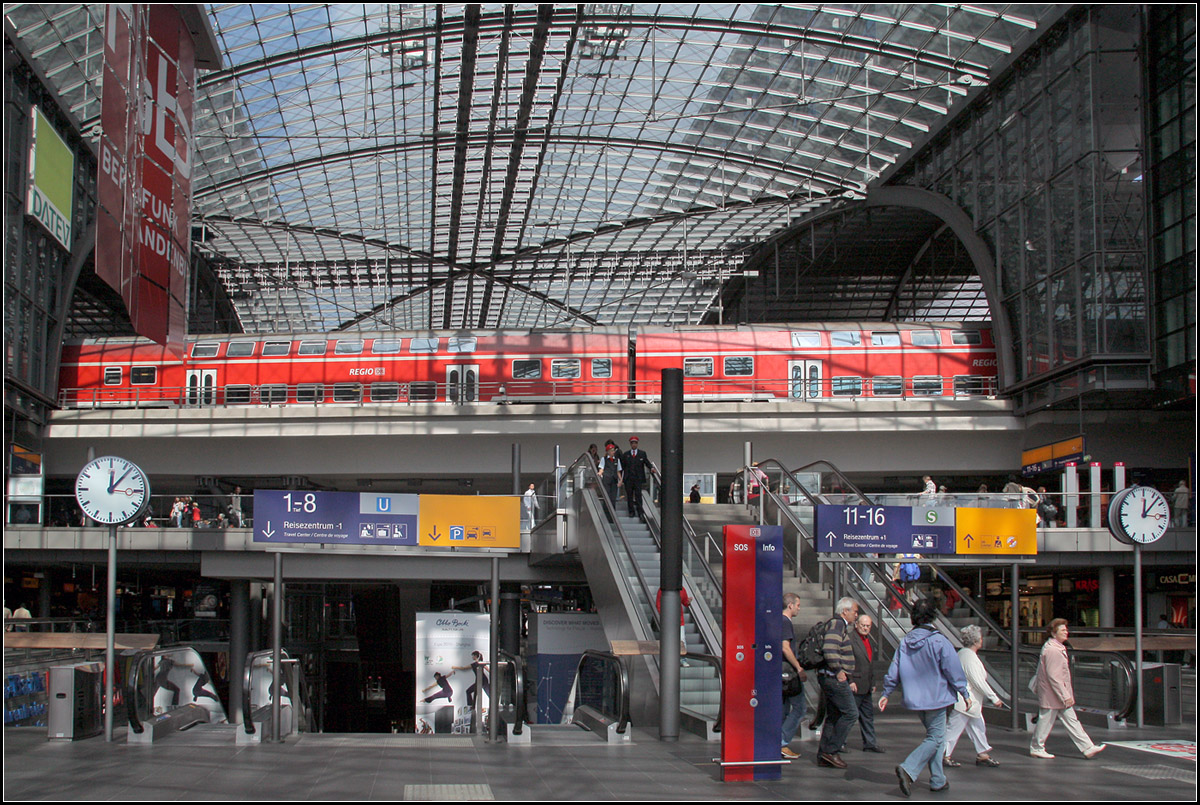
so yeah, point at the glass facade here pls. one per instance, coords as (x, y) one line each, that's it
(1048, 163)
(1171, 145)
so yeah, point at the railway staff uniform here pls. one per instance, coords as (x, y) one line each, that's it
(636, 471)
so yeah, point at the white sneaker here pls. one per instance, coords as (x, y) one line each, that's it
(1095, 750)
(1042, 753)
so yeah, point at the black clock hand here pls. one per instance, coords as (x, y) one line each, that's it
(115, 484)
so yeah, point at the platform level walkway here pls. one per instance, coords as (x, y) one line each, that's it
(570, 765)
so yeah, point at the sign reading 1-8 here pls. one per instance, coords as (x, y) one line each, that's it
(295, 503)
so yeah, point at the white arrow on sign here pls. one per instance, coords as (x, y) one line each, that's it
(267, 532)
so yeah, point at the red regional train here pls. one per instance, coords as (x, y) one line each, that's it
(738, 362)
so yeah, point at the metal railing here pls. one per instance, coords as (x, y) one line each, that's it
(517, 391)
(510, 691)
(154, 675)
(258, 690)
(601, 685)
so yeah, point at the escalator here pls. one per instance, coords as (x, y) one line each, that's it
(621, 557)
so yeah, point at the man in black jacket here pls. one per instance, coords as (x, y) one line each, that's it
(637, 471)
(866, 654)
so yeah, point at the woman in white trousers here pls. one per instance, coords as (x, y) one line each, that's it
(971, 719)
(1056, 697)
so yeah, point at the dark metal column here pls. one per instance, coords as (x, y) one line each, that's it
(671, 569)
(239, 642)
(1014, 685)
(277, 651)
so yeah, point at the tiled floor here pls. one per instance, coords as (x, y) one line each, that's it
(209, 766)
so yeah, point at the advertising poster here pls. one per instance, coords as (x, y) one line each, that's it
(557, 641)
(449, 647)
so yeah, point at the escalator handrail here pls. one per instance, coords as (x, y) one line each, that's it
(518, 676)
(1033, 654)
(247, 716)
(718, 665)
(586, 464)
(135, 674)
(622, 677)
(689, 534)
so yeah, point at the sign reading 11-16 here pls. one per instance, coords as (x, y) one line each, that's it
(885, 529)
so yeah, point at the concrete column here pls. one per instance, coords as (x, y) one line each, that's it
(239, 642)
(1108, 597)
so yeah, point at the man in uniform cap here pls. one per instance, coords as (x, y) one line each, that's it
(636, 470)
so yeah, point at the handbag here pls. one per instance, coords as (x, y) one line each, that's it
(791, 681)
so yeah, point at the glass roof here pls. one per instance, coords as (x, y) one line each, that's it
(460, 166)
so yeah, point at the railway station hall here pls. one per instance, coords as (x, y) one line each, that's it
(385, 383)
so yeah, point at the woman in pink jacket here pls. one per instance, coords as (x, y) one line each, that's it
(1056, 698)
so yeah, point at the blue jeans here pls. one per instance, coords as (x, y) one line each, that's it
(931, 750)
(841, 711)
(793, 714)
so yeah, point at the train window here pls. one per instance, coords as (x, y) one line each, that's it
(927, 386)
(237, 395)
(272, 395)
(738, 366)
(347, 392)
(461, 344)
(385, 347)
(310, 392)
(972, 386)
(697, 367)
(526, 370)
(205, 349)
(887, 386)
(422, 391)
(885, 339)
(349, 346)
(240, 349)
(112, 375)
(925, 338)
(845, 338)
(566, 368)
(423, 344)
(143, 375)
(806, 338)
(966, 337)
(847, 386)
(385, 392)
(312, 348)
(601, 367)
(275, 348)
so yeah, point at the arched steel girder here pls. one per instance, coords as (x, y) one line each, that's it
(323, 232)
(778, 168)
(528, 19)
(977, 249)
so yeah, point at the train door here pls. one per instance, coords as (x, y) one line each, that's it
(804, 379)
(201, 386)
(462, 383)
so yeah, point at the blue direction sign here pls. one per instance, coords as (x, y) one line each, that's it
(349, 518)
(885, 529)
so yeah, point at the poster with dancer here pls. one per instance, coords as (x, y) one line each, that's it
(451, 647)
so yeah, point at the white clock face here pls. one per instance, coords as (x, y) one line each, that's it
(1144, 514)
(111, 490)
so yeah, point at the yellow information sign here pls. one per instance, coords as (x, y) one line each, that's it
(462, 521)
(996, 531)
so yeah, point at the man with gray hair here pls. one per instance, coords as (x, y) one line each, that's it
(841, 710)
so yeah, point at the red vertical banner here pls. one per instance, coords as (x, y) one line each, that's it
(143, 237)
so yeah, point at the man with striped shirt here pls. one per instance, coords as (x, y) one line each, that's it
(841, 708)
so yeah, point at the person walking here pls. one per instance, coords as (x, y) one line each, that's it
(793, 700)
(930, 673)
(1056, 696)
(610, 473)
(866, 653)
(837, 689)
(971, 719)
(635, 472)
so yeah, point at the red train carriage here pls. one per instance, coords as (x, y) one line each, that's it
(738, 362)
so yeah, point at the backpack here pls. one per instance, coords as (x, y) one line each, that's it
(809, 653)
(910, 571)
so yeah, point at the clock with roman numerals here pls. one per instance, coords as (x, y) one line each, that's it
(112, 490)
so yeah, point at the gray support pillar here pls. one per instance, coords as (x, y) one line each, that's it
(45, 586)
(1071, 494)
(1138, 621)
(1014, 683)
(1108, 597)
(239, 646)
(747, 460)
(671, 568)
(510, 618)
(494, 651)
(516, 468)
(1095, 485)
(255, 617)
(277, 651)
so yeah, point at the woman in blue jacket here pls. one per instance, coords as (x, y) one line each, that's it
(928, 668)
